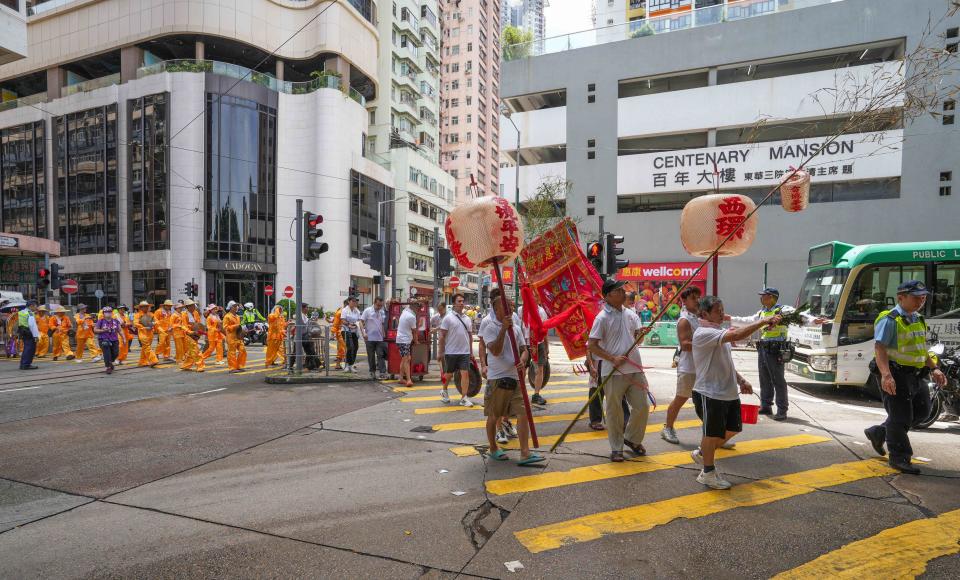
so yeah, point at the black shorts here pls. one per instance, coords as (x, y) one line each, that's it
(543, 355)
(456, 362)
(404, 348)
(718, 416)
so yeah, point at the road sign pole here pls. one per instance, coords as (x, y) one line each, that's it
(298, 344)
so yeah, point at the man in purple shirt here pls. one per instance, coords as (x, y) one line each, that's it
(107, 330)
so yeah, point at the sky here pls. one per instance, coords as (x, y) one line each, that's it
(565, 16)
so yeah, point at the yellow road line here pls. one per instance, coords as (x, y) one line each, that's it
(658, 462)
(645, 517)
(478, 406)
(452, 387)
(536, 419)
(469, 450)
(436, 379)
(899, 552)
(437, 398)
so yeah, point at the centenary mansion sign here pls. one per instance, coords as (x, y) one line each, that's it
(852, 157)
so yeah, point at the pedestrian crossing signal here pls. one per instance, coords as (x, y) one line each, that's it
(43, 278)
(595, 253)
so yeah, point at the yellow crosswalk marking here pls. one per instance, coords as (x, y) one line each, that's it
(658, 462)
(437, 398)
(453, 387)
(645, 517)
(537, 419)
(900, 552)
(469, 450)
(478, 406)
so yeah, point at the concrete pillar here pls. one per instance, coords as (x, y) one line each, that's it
(131, 58)
(199, 50)
(56, 80)
(712, 138)
(340, 65)
(279, 74)
(712, 76)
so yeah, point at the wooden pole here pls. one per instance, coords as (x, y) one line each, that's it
(516, 358)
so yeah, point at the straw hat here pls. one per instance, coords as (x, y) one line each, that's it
(42, 308)
(60, 309)
(189, 302)
(168, 302)
(143, 303)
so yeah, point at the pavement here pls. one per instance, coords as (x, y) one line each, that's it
(164, 473)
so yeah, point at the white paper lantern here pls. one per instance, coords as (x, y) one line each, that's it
(483, 231)
(795, 192)
(707, 220)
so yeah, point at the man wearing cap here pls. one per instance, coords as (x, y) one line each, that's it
(164, 324)
(611, 342)
(144, 323)
(85, 324)
(214, 334)
(179, 337)
(43, 325)
(902, 363)
(236, 352)
(773, 339)
(108, 332)
(190, 322)
(29, 334)
(60, 323)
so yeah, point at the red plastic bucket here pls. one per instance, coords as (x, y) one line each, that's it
(749, 413)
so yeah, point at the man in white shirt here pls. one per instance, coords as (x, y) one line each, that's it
(611, 342)
(543, 358)
(349, 317)
(502, 397)
(406, 337)
(437, 318)
(455, 349)
(715, 395)
(371, 328)
(686, 372)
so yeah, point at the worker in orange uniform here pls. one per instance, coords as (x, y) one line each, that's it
(144, 323)
(85, 336)
(236, 352)
(61, 325)
(125, 335)
(43, 325)
(276, 330)
(178, 335)
(164, 324)
(337, 329)
(191, 323)
(214, 335)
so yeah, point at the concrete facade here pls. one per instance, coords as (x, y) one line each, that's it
(928, 149)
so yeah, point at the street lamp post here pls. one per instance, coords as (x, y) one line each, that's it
(505, 111)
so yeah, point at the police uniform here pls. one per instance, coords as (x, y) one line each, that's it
(905, 338)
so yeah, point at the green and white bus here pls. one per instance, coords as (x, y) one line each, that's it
(850, 285)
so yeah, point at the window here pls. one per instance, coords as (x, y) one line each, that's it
(945, 179)
(952, 47)
(412, 206)
(455, 84)
(152, 286)
(591, 142)
(590, 211)
(90, 282)
(455, 120)
(945, 190)
(455, 102)
(591, 199)
(365, 193)
(469, 118)
(946, 175)
(874, 291)
(469, 49)
(953, 32)
(414, 235)
(23, 191)
(86, 166)
(945, 300)
(591, 87)
(149, 187)
(591, 155)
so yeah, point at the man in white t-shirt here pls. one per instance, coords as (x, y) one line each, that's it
(611, 342)
(406, 337)
(371, 328)
(455, 349)
(502, 397)
(715, 395)
(686, 372)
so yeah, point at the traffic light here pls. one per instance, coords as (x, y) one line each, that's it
(374, 257)
(595, 253)
(612, 262)
(444, 267)
(194, 290)
(484, 295)
(188, 289)
(43, 278)
(312, 246)
(56, 279)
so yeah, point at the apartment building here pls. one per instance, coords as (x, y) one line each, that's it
(470, 118)
(526, 15)
(162, 144)
(636, 125)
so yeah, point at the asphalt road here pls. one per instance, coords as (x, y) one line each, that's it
(163, 473)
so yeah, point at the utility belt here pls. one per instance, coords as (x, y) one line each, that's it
(901, 370)
(783, 349)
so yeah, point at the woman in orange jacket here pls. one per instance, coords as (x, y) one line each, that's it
(276, 330)
(43, 325)
(61, 325)
(214, 335)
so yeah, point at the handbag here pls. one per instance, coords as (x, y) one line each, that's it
(476, 379)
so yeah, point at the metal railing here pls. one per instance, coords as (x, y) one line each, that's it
(92, 84)
(315, 357)
(695, 18)
(23, 102)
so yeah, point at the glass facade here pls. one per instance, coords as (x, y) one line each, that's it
(23, 196)
(241, 180)
(364, 195)
(149, 184)
(152, 286)
(86, 168)
(89, 282)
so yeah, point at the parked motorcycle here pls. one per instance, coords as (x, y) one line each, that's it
(256, 332)
(944, 401)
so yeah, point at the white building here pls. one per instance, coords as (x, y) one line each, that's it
(142, 140)
(405, 137)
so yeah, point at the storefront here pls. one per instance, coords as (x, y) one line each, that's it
(241, 282)
(656, 283)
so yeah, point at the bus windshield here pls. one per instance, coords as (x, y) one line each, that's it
(821, 290)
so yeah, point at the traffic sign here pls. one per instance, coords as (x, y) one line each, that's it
(70, 286)
(98, 293)
(268, 290)
(413, 291)
(454, 281)
(288, 291)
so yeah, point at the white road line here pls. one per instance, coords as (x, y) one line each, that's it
(20, 389)
(211, 391)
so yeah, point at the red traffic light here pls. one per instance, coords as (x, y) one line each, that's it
(43, 273)
(595, 250)
(316, 220)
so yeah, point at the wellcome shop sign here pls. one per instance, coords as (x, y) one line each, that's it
(849, 158)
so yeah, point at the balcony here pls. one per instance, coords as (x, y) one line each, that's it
(409, 22)
(92, 84)
(427, 17)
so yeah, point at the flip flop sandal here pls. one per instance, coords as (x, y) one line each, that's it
(499, 455)
(597, 426)
(637, 448)
(616, 456)
(533, 458)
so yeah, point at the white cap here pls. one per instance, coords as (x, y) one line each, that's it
(231, 304)
(248, 305)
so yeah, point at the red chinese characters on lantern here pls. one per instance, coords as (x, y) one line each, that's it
(730, 218)
(796, 198)
(509, 242)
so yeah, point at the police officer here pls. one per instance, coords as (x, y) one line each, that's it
(902, 364)
(773, 339)
(29, 334)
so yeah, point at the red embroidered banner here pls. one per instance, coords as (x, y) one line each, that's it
(562, 278)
